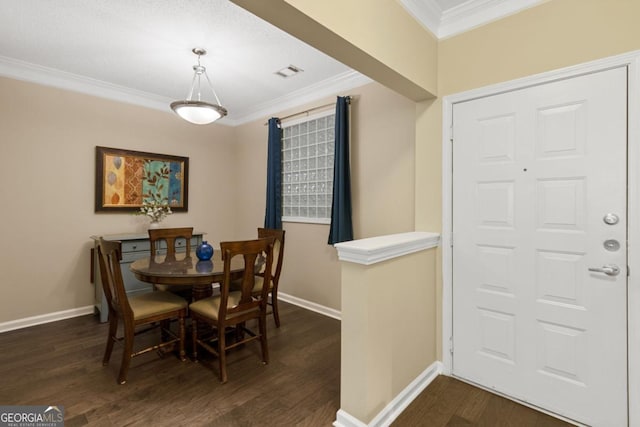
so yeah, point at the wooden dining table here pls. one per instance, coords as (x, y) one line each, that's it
(185, 271)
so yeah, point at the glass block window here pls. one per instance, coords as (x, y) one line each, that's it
(307, 169)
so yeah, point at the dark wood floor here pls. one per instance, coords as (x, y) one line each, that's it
(452, 403)
(60, 364)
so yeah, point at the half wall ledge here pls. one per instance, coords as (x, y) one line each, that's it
(381, 248)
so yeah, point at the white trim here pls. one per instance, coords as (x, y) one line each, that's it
(25, 71)
(345, 419)
(394, 408)
(312, 306)
(90, 309)
(45, 318)
(305, 220)
(33, 73)
(464, 17)
(632, 61)
(329, 87)
(447, 251)
(426, 12)
(473, 14)
(381, 248)
(633, 229)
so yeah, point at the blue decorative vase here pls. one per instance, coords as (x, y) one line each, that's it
(204, 251)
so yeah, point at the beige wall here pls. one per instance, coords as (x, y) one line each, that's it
(48, 139)
(376, 37)
(48, 147)
(552, 35)
(382, 165)
(384, 342)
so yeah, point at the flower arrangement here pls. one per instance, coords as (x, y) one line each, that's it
(155, 210)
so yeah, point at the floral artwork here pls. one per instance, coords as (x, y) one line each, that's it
(126, 180)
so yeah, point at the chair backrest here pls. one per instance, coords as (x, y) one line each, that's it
(109, 256)
(278, 250)
(170, 235)
(249, 250)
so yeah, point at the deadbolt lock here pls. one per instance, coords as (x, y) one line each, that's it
(611, 219)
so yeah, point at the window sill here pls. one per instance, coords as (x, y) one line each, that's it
(306, 220)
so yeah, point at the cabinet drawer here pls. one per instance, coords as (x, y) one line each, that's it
(135, 246)
(129, 257)
(181, 244)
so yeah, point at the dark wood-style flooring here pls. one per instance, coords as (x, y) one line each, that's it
(61, 364)
(448, 402)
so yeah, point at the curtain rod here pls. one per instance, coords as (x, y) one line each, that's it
(320, 107)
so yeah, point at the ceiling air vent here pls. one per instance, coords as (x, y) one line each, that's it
(289, 71)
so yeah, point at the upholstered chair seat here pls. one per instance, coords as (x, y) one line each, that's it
(210, 307)
(154, 303)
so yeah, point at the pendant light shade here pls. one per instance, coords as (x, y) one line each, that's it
(198, 111)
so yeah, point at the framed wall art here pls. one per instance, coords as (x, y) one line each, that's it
(126, 179)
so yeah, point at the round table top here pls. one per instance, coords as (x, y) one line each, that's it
(183, 270)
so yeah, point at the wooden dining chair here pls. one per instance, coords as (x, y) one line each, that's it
(151, 309)
(171, 236)
(278, 255)
(235, 308)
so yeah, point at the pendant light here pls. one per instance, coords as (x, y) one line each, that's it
(197, 111)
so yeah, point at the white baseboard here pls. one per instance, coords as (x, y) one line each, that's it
(81, 311)
(45, 318)
(397, 405)
(344, 419)
(330, 312)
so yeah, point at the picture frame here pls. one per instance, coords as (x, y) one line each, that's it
(125, 179)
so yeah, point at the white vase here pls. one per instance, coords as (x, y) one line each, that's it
(154, 224)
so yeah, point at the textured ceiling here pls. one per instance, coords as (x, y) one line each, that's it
(139, 51)
(145, 45)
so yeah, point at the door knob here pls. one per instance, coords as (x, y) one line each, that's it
(609, 270)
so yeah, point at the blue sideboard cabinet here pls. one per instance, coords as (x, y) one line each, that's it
(133, 247)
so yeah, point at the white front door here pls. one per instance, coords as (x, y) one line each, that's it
(539, 198)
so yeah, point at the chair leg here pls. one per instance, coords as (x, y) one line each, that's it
(113, 329)
(222, 355)
(274, 306)
(182, 335)
(126, 353)
(164, 326)
(194, 338)
(262, 324)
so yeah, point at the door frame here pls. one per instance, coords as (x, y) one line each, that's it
(632, 61)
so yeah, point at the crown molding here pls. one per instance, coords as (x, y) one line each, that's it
(426, 12)
(25, 71)
(475, 13)
(464, 17)
(341, 82)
